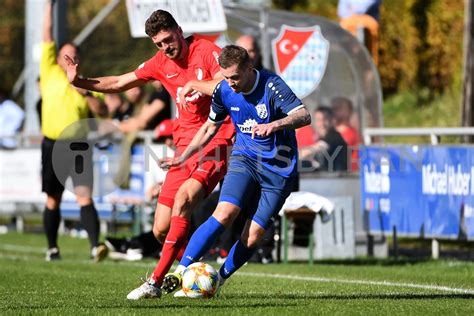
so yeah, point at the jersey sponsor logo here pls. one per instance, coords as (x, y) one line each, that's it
(262, 111)
(235, 108)
(247, 126)
(300, 56)
(171, 76)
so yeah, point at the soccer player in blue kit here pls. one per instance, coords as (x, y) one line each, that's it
(265, 113)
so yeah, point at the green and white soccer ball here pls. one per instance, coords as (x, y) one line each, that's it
(200, 280)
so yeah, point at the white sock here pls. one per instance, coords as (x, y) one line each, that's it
(221, 279)
(179, 269)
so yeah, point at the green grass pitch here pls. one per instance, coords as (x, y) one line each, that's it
(76, 285)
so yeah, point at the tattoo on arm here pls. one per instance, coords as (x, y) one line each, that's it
(297, 119)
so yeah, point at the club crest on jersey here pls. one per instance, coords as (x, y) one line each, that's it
(247, 126)
(261, 111)
(300, 56)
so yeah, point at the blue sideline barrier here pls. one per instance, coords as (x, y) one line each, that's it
(421, 191)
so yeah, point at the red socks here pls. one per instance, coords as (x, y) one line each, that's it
(174, 245)
(181, 251)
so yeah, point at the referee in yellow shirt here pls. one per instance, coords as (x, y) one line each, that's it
(62, 106)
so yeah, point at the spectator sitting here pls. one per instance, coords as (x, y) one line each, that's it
(11, 119)
(329, 153)
(157, 109)
(118, 109)
(343, 111)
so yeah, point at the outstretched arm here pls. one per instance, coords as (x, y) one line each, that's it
(48, 22)
(294, 120)
(109, 84)
(207, 131)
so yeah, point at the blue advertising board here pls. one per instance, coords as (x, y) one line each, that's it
(423, 191)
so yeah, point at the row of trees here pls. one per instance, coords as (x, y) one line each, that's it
(421, 41)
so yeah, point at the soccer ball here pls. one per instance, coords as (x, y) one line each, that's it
(200, 280)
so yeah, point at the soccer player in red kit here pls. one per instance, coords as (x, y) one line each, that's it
(189, 70)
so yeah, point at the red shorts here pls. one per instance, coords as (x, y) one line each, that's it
(208, 166)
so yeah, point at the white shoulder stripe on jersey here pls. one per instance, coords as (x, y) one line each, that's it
(215, 122)
(297, 108)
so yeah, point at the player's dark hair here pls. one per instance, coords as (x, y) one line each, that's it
(158, 21)
(326, 111)
(78, 50)
(233, 55)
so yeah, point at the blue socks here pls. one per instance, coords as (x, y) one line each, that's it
(201, 241)
(238, 256)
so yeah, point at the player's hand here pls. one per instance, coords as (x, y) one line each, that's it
(167, 163)
(184, 94)
(71, 69)
(262, 130)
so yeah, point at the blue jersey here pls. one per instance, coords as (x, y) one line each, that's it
(269, 100)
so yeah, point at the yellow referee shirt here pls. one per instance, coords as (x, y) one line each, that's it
(62, 104)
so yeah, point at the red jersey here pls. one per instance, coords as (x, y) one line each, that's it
(201, 64)
(306, 136)
(351, 137)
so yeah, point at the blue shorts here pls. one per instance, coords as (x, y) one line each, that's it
(252, 187)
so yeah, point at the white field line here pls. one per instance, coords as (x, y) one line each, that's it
(20, 248)
(363, 282)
